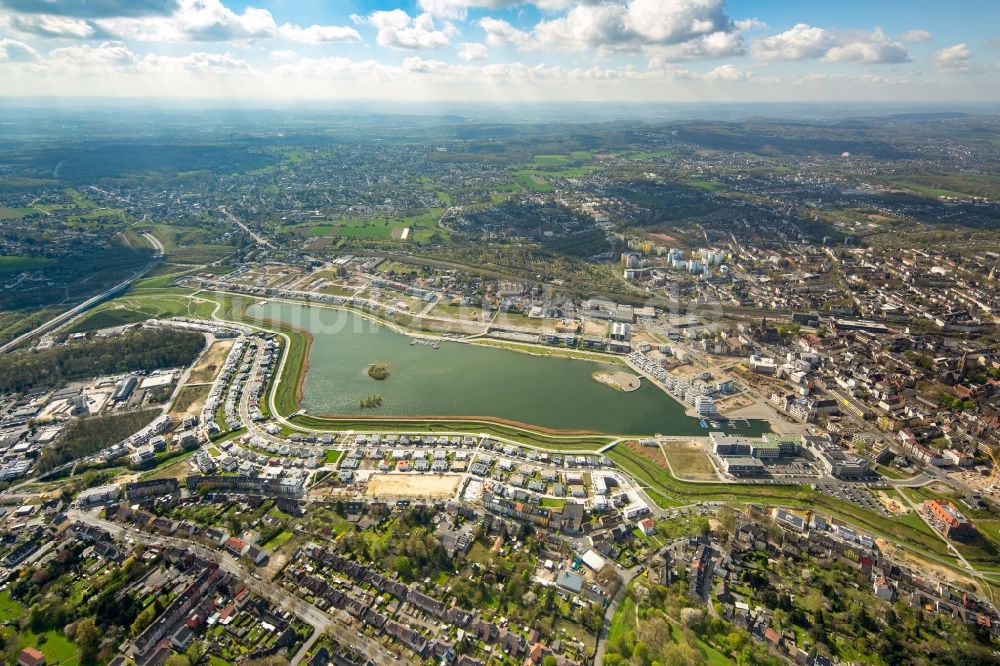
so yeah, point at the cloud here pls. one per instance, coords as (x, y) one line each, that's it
(199, 63)
(398, 30)
(458, 9)
(470, 51)
(502, 33)
(319, 34)
(92, 59)
(195, 20)
(750, 24)
(916, 36)
(873, 48)
(93, 8)
(800, 42)
(633, 24)
(13, 51)
(708, 47)
(954, 59)
(47, 25)
(727, 73)
(805, 42)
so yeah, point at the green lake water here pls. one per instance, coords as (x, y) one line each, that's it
(464, 380)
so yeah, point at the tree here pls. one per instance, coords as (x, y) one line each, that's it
(692, 616)
(404, 567)
(549, 660)
(88, 637)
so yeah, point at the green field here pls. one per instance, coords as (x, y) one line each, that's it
(552, 160)
(186, 245)
(16, 264)
(532, 180)
(130, 309)
(17, 213)
(10, 610)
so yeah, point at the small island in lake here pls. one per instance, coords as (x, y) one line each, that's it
(371, 402)
(620, 381)
(378, 371)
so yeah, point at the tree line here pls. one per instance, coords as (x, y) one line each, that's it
(89, 435)
(144, 350)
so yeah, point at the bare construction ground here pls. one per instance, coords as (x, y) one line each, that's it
(210, 362)
(430, 486)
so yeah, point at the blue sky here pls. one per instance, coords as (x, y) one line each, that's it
(482, 50)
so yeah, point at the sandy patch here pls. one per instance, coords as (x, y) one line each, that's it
(430, 486)
(891, 505)
(620, 381)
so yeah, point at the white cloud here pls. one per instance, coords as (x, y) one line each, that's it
(283, 55)
(502, 33)
(92, 59)
(954, 59)
(199, 63)
(470, 51)
(48, 25)
(633, 24)
(709, 47)
(727, 73)
(195, 20)
(319, 34)
(804, 42)
(398, 30)
(797, 43)
(92, 8)
(916, 36)
(750, 24)
(13, 51)
(458, 9)
(873, 48)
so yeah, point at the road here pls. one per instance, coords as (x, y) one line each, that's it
(90, 302)
(320, 621)
(253, 234)
(602, 640)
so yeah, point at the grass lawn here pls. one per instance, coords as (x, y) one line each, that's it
(16, 264)
(552, 160)
(188, 397)
(332, 456)
(278, 539)
(56, 647)
(10, 610)
(689, 460)
(136, 307)
(622, 622)
(17, 213)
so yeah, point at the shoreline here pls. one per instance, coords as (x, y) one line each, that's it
(480, 341)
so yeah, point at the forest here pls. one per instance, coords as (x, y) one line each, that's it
(140, 351)
(89, 435)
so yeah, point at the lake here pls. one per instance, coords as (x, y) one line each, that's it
(466, 380)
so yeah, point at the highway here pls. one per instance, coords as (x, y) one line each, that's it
(89, 303)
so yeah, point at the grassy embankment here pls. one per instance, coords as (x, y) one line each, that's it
(668, 491)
